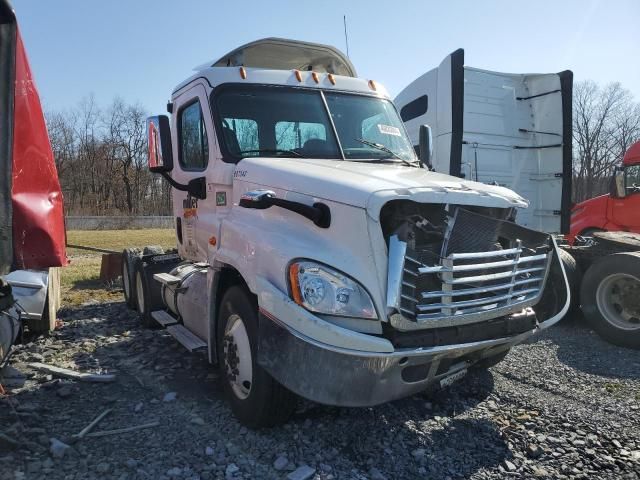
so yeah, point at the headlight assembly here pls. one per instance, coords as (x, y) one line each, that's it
(322, 289)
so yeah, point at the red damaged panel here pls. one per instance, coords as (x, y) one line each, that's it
(38, 216)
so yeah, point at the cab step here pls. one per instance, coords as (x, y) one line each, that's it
(163, 318)
(166, 279)
(186, 338)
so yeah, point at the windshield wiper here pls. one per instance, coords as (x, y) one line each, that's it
(272, 150)
(382, 148)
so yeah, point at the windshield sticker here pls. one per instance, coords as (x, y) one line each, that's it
(389, 130)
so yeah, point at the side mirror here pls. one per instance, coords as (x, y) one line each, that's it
(617, 184)
(426, 146)
(159, 155)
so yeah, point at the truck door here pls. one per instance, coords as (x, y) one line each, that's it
(492, 127)
(194, 147)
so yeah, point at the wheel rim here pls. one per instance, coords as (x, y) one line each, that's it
(125, 280)
(618, 299)
(237, 357)
(139, 289)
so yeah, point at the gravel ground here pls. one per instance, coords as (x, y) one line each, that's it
(566, 405)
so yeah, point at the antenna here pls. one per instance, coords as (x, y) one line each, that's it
(346, 37)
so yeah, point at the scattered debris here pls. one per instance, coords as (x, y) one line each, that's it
(302, 473)
(169, 397)
(123, 430)
(58, 449)
(281, 463)
(89, 427)
(72, 374)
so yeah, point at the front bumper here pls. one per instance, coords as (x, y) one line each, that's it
(353, 378)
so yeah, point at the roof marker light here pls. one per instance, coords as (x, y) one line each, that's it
(372, 85)
(331, 79)
(298, 75)
(314, 75)
(243, 73)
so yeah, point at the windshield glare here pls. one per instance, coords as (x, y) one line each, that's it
(292, 122)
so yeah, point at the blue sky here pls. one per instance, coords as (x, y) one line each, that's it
(140, 49)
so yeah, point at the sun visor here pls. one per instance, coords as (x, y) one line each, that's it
(283, 54)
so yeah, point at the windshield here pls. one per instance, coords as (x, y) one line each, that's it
(270, 121)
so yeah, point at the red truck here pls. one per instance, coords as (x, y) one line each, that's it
(619, 210)
(32, 233)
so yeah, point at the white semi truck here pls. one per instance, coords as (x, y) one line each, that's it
(510, 129)
(316, 255)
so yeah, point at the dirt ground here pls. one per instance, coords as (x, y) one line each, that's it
(565, 405)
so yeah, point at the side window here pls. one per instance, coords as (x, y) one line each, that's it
(632, 178)
(240, 134)
(415, 108)
(292, 135)
(194, 146)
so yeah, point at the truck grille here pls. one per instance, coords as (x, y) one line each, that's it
(464, 285)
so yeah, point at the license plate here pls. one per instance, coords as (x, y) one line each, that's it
(454, 377)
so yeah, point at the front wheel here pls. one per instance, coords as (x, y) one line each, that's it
(610, 298)
(256, 399)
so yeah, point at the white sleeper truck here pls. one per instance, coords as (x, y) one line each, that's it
(510, 129)
(316, 255)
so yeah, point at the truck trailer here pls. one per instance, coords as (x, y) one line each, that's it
(515, 130)
(317, 255)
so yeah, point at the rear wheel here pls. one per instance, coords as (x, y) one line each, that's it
(143, 296)
(610, 297)
(129, 257)
(256, 398)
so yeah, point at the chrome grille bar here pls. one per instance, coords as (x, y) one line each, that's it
(475, 291)
(479, 266)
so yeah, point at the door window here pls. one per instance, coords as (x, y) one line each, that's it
(194, 146)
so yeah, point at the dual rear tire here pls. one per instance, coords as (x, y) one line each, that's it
(610, 298)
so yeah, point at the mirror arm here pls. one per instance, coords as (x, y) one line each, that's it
(196, 187)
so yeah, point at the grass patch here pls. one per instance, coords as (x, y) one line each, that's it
(118, 240)
(613, 388)
(81, 278)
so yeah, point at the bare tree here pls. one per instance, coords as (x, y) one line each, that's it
(606, 122)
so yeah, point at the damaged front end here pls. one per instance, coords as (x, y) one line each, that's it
(465, 284)
(461, 274)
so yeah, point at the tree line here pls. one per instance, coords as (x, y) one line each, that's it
(101, 155)
(101, 152)
(606, 122)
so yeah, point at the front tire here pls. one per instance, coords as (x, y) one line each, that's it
(256, 398)
(610, 297)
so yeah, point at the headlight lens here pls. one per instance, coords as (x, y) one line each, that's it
(322, 289)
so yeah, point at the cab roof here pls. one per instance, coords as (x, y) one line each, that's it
(284, 54)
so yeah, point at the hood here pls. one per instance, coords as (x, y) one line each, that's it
(370, 185)
(593, 206)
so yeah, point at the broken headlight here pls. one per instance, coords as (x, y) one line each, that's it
(322, 289)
